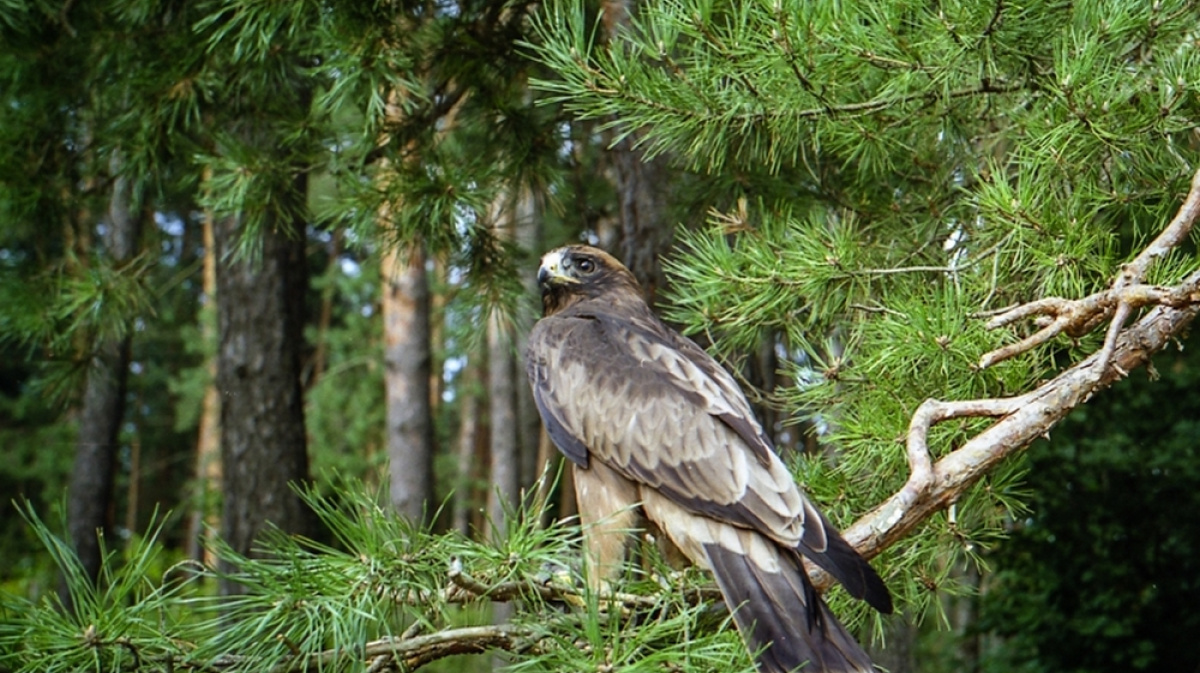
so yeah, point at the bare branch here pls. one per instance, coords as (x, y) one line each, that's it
(934, 486)
(1170, 238)
(1078, 317)
(407, 654)
(1022, 419)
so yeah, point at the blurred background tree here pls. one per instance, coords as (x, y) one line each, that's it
(304, 234)
(1098, 575)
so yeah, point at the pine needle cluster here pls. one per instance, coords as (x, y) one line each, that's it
(382, 592)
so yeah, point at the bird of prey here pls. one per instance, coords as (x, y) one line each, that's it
(656, 428)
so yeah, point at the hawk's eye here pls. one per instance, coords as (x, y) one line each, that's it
(585, 265)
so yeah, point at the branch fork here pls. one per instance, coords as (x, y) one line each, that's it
(933, 486)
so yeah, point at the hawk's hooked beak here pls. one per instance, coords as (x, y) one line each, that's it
(553, 270)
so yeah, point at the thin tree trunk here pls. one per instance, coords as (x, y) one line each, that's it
(468, 431)
(567, 505)
(645, 233)
(90, 497)
(504, 441)
(208, 440)
(899, 655)
(503, 445)
(408, 356)
(260, 311)
(437, 335)
(502, 417)
(321, 352)
(964, 615)
(527, 232)
(133, 490)
(548, 460)
(482, 468)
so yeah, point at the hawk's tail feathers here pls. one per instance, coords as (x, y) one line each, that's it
(848, 567)
(779, 610)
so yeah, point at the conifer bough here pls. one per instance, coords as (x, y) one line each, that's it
(934, 486)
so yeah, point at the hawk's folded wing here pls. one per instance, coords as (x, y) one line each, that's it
(660, 411)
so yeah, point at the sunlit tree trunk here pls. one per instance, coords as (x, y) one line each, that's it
(503, 445)
(207, 475)
(409, 358)
(408, 353)
(90, 496)
(513, 437)
(260, 317)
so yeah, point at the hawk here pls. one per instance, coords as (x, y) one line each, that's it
(655, 427)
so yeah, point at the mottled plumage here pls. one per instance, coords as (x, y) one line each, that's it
(655, 426)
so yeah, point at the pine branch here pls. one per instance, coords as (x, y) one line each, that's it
(615, 90)
(402, 653)
(470, 589)
(932, 487)
(1078, 317)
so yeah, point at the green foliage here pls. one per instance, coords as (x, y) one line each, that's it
(382, 577)
(341, 442)
(124, 620)
(869, 181)
(1101, 574)
(882, 176)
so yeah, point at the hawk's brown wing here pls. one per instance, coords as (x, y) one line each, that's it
(660, 411)
(622, 394)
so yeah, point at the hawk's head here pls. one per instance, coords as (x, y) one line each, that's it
(575, 273)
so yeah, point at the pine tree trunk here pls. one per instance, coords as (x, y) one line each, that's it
(502, 418)
(503, 412)
(469, 429)
(503, 445)
(481, 451)
(207, 476)
(325, 317)
(90, 496)
(899, 655)
(645, 234)
(527, 231)
(90, 507)
(260, 314)
(408, 356)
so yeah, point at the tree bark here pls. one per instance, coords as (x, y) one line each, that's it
(502, 419)
(527, 232)
(504, 447)
(260, 314)
(504, 406)
(469, 429)
(207, 476)
(90, 497)
(645, 233)
(409, 358)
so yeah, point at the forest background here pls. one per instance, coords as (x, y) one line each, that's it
(251, 244)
